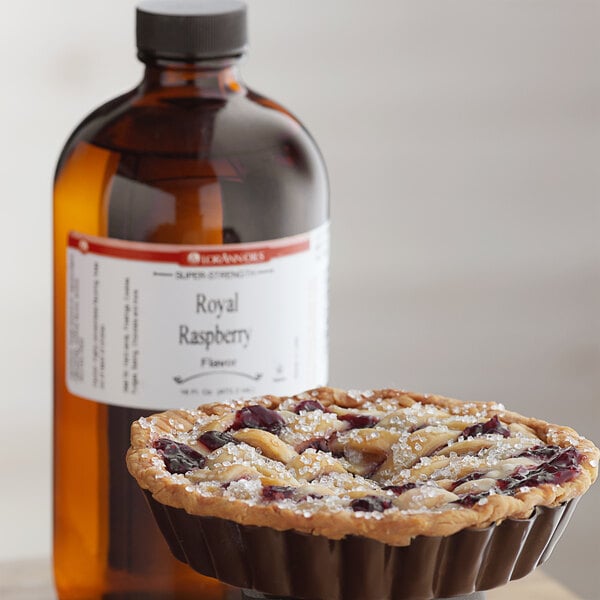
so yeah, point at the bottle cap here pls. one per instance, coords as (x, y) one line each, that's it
(191, 29)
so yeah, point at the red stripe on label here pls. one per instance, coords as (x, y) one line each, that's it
(230, 255)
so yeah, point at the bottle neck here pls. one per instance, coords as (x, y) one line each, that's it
(213, 78)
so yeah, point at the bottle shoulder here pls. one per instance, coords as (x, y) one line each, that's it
(152, 155)
(192, 126)
(86, 130)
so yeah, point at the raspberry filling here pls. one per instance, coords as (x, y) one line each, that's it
(309, 406)
(491, 426)
(357, 421)
(545, 453)
(277, 492)
(216, 439)
(370, 504)
(178, 457)
(400, 489)
(258, 417)
(561, 465)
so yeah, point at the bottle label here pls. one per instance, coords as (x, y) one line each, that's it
(158, 326)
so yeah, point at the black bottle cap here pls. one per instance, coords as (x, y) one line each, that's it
(191, 29)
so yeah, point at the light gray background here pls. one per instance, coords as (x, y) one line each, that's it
(462, 139)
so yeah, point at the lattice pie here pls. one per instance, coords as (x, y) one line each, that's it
(386, 464)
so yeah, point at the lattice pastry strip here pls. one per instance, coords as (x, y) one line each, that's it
(268, 444)
(313, 464)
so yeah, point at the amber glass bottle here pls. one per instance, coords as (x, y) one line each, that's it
(190, 253)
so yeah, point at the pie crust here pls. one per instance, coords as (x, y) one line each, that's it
(447, 465)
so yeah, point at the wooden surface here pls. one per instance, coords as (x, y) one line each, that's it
(32, 580)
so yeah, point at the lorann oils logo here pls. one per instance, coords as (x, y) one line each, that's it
(225, 258)
(199, 256)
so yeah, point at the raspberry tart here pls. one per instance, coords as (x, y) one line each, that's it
(273, 493)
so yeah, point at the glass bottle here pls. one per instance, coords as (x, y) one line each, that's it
(188, 161)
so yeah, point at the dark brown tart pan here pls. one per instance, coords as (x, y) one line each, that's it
(297, 565)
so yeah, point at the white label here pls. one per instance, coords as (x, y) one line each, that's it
(158, 326)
